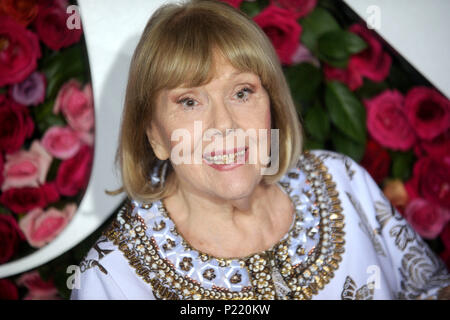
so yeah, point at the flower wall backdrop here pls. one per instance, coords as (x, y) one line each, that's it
(46, 134)
(353, 95)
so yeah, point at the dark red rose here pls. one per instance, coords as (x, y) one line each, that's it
(436, 147)
(428, 112)
(73, 174)
(282, 29)
(8, 291)
(372, 63)
(10, 237)
(351, 77)
(431, 180)
(19, 51)
(387, 121)
(23, 11)
(51, 26)
(16, 126)
(376, 161)
(299, 8)
(23, 200)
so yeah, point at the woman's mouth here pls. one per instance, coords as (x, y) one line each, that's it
(227, 160)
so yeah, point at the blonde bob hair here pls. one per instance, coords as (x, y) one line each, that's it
(176, 48)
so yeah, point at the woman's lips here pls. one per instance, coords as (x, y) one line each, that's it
(231, 159)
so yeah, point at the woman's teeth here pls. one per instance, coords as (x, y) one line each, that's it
(225, 159)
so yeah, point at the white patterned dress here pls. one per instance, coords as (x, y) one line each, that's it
(346, 241)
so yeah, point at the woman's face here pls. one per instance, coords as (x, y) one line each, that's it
(193, 125)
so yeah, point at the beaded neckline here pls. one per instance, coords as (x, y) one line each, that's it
(297, 268)
(207, 256)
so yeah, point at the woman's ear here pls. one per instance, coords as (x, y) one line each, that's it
(155, 139)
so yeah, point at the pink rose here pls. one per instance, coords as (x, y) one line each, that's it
(52, 28)
(387, 122)
(38, 289)
(73, 173)
(10, 237)
(282, 29)
(61, 142)
(426, 218)
(372, 63)
(19, 51)
(8, 291)
(22, 200)
(76, 105)
(16, 125)
(40, 227)
(428, 112)
(299, 8)
(26, 168)
(431, 180)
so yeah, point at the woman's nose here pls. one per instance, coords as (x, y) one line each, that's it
(222, 116)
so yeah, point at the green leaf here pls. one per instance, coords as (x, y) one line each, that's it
(346, 111)
(304, 80)
(62, 66)
(310, 144)
(314, 25)
(45, 118)
(335, 47)
(347, 146)
(252, 8)
(317, 123)
(370, 89)
(402, 163)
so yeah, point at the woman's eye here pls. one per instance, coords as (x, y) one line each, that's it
(244, 94)
(187, 103)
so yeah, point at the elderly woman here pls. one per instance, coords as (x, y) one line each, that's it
(208, 221)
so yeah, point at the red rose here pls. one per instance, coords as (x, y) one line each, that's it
(376, 161)
(282, 29)
(38, 289)
(352, 78)
(23, 11)
(436, 147)
(19, 51)
(51, 26)
(73, 173)
(8, 291)
(428, 112)
(387, 122)
(22, 200)
(10, 237)
(431, 180)
(426, 218)
(299, 8)
(16, 126)
(372, 63)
